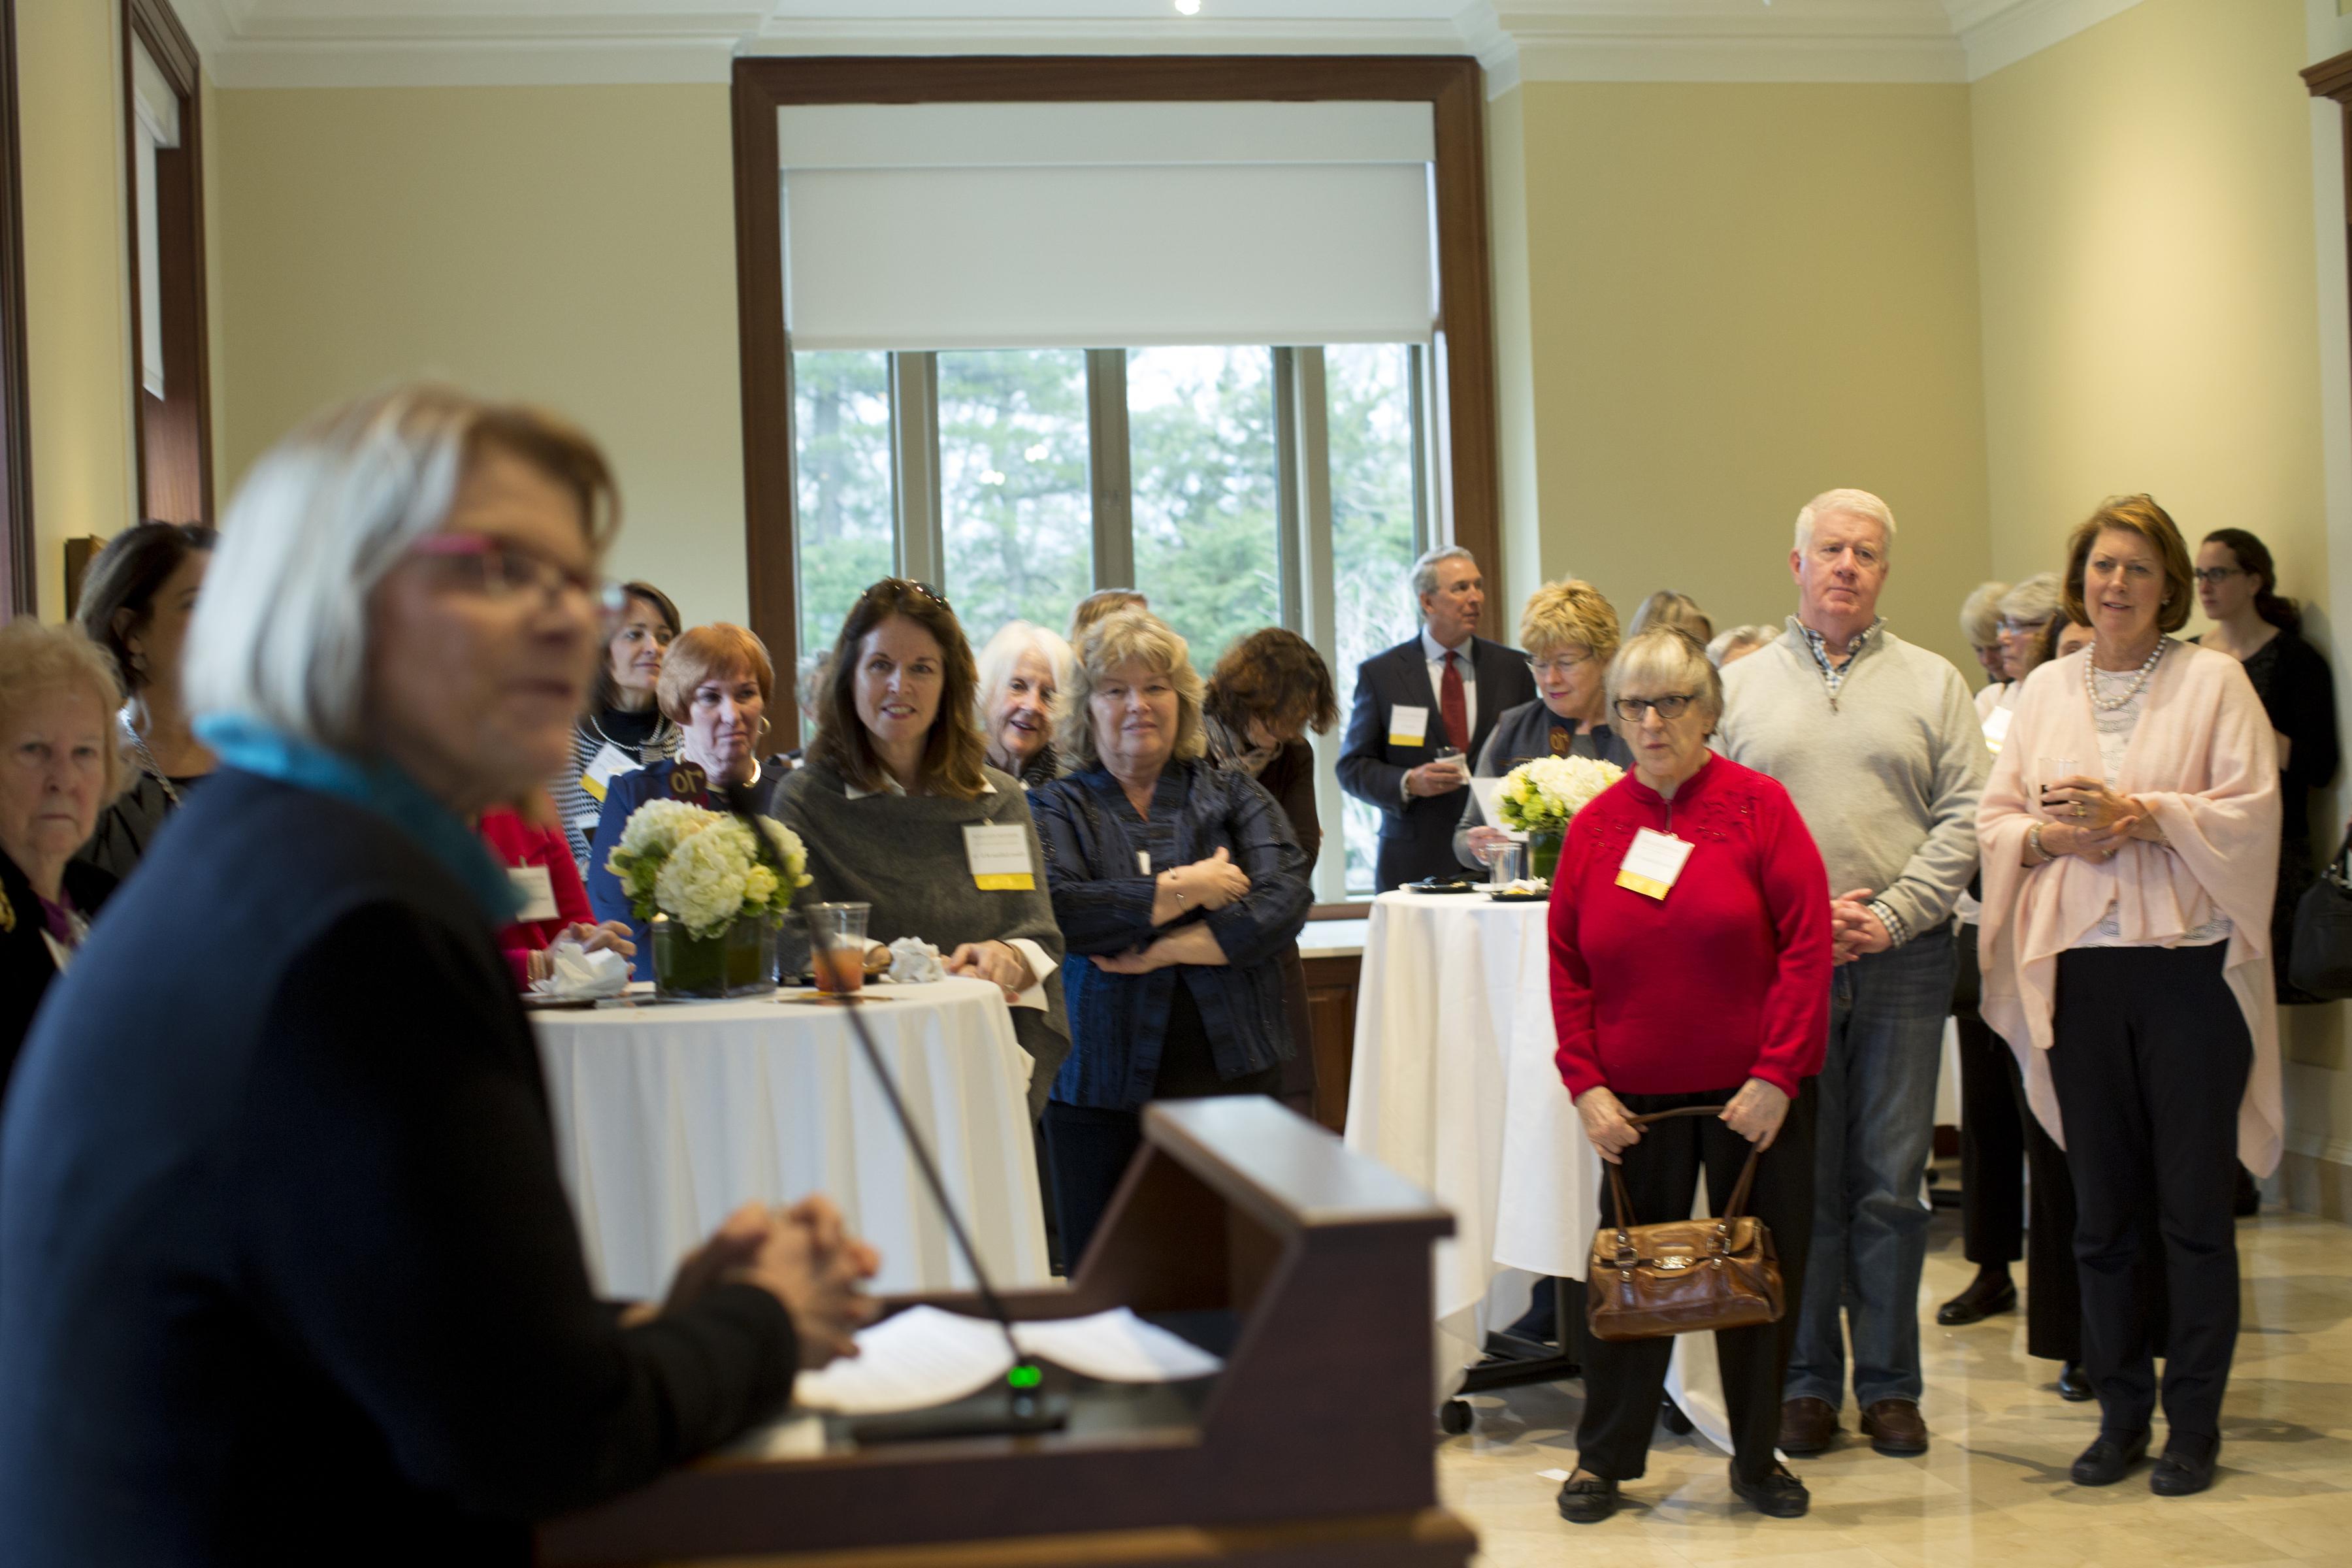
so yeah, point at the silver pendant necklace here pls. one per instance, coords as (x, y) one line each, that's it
(147, 761)
(2139, 681)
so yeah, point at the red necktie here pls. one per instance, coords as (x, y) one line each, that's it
(1451, 705)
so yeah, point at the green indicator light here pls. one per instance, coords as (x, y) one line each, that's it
(1024, 1377)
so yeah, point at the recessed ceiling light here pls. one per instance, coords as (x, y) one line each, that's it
(1189, 7)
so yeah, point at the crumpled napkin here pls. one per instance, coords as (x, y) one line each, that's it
(914, 961)
(580, 975)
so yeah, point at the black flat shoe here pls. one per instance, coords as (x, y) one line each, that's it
(2180, 1473)
(2109, 1460)
(1587, 1500)
(1979, 1301)
(1778, 1494)
(2074, 1383)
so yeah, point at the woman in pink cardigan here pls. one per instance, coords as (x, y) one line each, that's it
(2130, 840)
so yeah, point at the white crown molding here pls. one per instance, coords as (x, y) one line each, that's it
(1049, 36)
(1734, 40)
(1999, 32)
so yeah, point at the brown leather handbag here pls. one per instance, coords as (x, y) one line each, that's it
(1682, 1276)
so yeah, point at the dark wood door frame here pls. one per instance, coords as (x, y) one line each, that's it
(1452, 86)
(172, 434)
(18, 584)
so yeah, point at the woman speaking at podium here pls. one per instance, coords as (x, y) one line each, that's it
(286, 1272)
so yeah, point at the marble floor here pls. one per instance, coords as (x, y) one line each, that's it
(1993, 1488)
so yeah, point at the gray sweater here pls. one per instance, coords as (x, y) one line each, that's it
(1887, 774)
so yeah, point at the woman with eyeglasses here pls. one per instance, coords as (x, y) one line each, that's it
(624, 728)
(2237, 587)
(1570, 633)
(1690, 966)
(900, 811)
(716, 682)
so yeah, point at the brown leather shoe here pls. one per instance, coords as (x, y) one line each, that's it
(1893, 1425)
(1808, 1426)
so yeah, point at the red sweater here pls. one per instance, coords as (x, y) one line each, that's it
(1725, 979)
(517, 843)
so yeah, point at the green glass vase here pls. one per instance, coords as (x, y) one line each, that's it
(739, 962)
(1543, 851)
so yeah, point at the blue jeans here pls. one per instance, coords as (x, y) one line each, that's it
(1876, 1129)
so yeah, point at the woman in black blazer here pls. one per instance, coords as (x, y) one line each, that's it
(60, 765)
(286, 1270)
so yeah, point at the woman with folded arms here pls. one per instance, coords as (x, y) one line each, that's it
(1714, 993)
(624, 728)
(135, 604)
(887, 802)
(2129, 835)
(1178, 885)
(1020, 670)
(1571, 634)
(60, 762)
(286, 1271)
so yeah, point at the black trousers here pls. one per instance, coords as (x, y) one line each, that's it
(2149, 1060)
(1993, 1143)
(1625, 1381)
(2054, 1286)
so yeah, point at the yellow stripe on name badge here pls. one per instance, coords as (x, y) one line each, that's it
(1004, 881)
(1649, 887)
(593, 787)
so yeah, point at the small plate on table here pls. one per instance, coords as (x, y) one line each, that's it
(1432, 885)
(534, 1003)
(1519, 896)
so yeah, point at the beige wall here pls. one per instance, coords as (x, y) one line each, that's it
(1743, 295)
(571, 246)
(77, 279)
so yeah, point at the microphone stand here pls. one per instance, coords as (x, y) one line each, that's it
(1028, 1408)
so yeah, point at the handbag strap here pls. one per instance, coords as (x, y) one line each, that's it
(1623, 1204)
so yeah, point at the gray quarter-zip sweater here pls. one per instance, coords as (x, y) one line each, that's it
(1885, 773)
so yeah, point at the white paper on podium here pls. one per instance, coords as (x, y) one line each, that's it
(924, 1356)
(1489, 793)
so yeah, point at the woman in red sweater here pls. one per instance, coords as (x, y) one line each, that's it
(1691, 951)
(548, 888)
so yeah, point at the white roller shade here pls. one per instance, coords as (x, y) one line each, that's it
(155, 116)
(987, 226)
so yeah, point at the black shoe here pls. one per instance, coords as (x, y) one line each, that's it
(1587, 1500)
(2109, 1460)
(2248, 1199)
(2182, 1472)
(1779, 1494)
(2074, 1383)
(1985, 1295)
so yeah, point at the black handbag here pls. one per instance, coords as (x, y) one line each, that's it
(2320, 961)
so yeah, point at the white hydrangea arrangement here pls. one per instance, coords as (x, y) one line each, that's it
(1546, 791)
(704, 869)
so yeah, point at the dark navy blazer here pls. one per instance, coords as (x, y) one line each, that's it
(623, 797)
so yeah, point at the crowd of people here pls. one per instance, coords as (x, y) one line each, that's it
(399, 732)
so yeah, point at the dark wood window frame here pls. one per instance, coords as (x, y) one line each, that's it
(172, 434)
(1452, 86)
(18, 584)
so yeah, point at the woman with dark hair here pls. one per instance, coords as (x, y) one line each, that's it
(899, 810)
(2237, 587)
(135, 604)
(624, 728)
(1268, 691)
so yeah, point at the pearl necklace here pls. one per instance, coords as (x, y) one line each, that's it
(2139, 681)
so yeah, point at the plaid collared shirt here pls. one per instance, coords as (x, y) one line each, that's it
(1833, 672)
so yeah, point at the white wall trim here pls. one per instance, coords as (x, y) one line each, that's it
(1999, 33)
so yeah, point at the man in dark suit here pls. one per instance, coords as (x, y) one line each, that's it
(1437, 695)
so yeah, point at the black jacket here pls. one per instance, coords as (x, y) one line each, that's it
(1417, 839)
(25, 964)
(286, 1272)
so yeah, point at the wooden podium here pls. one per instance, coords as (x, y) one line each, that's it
(1240, 1223)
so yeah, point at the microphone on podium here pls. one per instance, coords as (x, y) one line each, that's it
(1027, 1407)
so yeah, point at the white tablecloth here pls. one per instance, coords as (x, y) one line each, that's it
(1454, 1088)
(669, 1118)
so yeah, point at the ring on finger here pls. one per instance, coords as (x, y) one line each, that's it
(2081, 810)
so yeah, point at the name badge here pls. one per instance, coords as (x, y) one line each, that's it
(603, 769)
(999, 858)
(1996, 728)
(1143, 862)
(533, 886)
(1653, 863)
(1408, 726)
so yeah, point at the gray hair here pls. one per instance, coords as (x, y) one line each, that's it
(1665, 656)
(1980, 613)
(1861, 503)
(2037, 598)
(1122, 638)
(1424, 571)
(1003, 652)
(280, 633)
(1738, 640)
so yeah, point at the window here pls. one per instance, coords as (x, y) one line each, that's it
(841, 422)
(167, 298)
(1201, 456)
(1015, 514)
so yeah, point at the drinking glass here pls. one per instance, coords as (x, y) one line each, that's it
(1506, 864)
(837, 946)
(2053, 771)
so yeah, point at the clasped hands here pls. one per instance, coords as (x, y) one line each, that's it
(1855, 928)
(2089, 819)
(803, 1255)
(612, 936)
(1755, 1113)
(998, 961)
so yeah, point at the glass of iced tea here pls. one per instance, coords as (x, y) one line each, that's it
(837, 946)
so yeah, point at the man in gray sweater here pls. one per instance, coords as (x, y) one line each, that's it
(1877, 744)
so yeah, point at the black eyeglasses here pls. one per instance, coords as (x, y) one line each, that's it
(1631, 709)
(2208, 575)
(892, 586)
